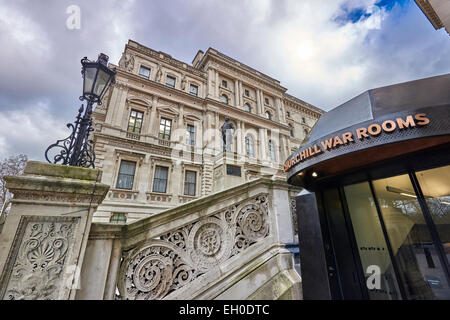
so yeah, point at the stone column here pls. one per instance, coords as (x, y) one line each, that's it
(241, 92)
(258, 102)
(236, 94)
(120, 115)
(217, 84)
(239, 138)
(210, 89)
(262, 144)
(43, 242)
(153, 120)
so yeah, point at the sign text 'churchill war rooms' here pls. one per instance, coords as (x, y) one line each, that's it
(359, 134)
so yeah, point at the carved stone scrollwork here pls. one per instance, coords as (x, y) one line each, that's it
(161, 266)
(294, 215)
(155, 270)
(35, 266)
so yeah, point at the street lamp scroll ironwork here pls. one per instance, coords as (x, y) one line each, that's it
(77, 149)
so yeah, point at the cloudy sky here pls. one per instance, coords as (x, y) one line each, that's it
(324, 51)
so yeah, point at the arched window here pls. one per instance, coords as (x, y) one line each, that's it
(247, 107)
(268, 115)
(250, 146)
(291, 130)
(225, 99)
(272, 151)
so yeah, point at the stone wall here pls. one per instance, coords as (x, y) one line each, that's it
(228, 245)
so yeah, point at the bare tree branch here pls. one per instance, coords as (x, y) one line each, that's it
(11, 166)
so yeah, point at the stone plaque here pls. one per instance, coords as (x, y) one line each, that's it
(233, 170)
(37, 260)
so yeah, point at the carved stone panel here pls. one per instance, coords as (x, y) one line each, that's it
(37, 260)
(161, 266)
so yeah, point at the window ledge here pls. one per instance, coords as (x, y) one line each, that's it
(158, 196)
(122, 194)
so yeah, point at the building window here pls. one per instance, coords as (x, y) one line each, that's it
(247, 93)
(190, 182)
(144, 72)
(118, 218)
(160, 180)
(247, 108)
(250, 146)
(291, 130)
(272, 150)
(126, 175)
(193, 89)
(268, 115)
(224, 83)
(225, 99)
(303, 120)
(170, 81)
(135, 122)
(288, 114)
(190, 135)
(164, 128)
(266, 100)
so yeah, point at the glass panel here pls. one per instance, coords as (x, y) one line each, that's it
(435, 185)
(135, 122)
(100, 84)
(372, 247)
(170, 81)
(190, 182)
(89, 79)
(414, 251)
(126, 175)
(193, 89)
(160, 181)
(144, 72)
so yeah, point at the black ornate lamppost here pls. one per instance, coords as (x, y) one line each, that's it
(77, 150)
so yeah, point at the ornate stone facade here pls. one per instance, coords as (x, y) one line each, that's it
(155, 92)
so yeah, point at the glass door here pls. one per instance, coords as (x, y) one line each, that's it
(414, 248)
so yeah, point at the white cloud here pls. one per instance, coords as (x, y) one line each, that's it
(29, 132)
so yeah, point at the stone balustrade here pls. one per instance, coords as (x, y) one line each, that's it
(228, 245)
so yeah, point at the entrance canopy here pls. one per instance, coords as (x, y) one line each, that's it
(377, 125)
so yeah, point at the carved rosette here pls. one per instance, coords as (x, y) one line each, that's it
(154, 270)
(35, 266)
(161, 266)
(210, 243)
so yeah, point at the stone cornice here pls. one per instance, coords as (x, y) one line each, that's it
(255, 75)
(429, 12)
(162, 87)
(226, 109)
(303, 106)
(164, 57)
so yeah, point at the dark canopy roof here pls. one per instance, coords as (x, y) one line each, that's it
(428, 92)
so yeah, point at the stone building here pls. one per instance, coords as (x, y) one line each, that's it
(158, 136)
(437, 11)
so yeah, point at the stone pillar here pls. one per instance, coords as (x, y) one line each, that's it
(263, 143)
(259, 107)
(217, 84)
(153, 119)
(236, 94)
(241, 93)
(210, 89)
(238, 138)
(43, 242)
